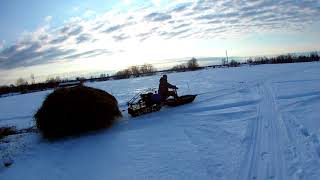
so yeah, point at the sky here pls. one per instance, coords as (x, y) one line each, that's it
(49, 38)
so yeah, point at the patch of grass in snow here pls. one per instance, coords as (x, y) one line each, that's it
(7, 131)
(12, 130)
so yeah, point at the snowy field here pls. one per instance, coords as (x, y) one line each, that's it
(260, 122)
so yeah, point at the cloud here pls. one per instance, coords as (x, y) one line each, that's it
(48, 19)
(29, 54)
(173, 34)
(109, 33)
(83, 38)
(88, 54)
(71, 29)
(156, 2)
(52, 54)
(181, 7)
(126, 2)
(89, 13)
(216, 16)
(75, 31)
(182, 25)
(155, 16)
(114, 28)
(75, 8)
(202, 5)
(59, 40)
(120, 37)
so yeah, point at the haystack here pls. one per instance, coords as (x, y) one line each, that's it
(75, 110)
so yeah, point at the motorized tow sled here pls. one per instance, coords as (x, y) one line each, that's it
(150, 101)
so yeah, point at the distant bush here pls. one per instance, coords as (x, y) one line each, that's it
(234, 63)
(191, 65)
(27, 88)
(56, 79)
(249, 61)
(135, 71)
(75, 110)
(314, 56)
(123, 74)
(180, 67)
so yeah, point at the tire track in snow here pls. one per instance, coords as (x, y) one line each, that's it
(196, 145)
(205, 136)
(264, 158)
(16, 117)
(303, 150)
(204, 140)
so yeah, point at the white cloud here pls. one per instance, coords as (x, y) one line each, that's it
(156, 2)
(48, 19)
(89, 13)
(126, 2)
(2, 43)
(75, 8)
(73, 19)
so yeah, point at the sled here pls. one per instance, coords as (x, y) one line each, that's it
(180, 100)
(150, 101)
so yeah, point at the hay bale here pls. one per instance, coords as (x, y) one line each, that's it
(75, 110)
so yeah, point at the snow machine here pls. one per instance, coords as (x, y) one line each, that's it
(150, 101)
(144, 102)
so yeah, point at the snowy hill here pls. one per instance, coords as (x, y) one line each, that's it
(258, 122)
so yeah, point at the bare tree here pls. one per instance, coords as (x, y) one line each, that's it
(147, 68)
(193, 64)
(102, 75)
(123, 74)
(32, 79)
(53, 80)
(135, 71)
(180, 67)
(21, 82)
(234, 63)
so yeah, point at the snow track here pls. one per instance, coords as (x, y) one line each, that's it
(264, 158)
(279, 147)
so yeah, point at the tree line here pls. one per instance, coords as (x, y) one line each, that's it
(23, 86)
(281, 59)
(135, 71)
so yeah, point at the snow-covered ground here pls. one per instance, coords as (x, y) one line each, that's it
(259, 122)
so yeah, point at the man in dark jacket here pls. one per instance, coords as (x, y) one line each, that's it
(164, 89)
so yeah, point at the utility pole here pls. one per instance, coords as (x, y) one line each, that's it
(227, 57)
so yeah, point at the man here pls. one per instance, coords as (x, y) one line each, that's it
(164, 89)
